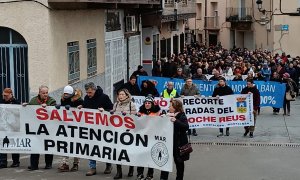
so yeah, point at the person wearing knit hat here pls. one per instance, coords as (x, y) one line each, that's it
(149, 108)
(286, 75)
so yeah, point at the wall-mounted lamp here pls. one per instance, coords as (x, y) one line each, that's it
(259, 6)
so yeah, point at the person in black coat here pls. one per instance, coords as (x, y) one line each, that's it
(132, 86)
(147, 87)
(169, 68)
(157, 69)
(140, 72)
(8, 98)
(96, 99)
(180, 138)
(222, 90)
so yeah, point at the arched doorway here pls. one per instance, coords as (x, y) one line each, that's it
(14, 63)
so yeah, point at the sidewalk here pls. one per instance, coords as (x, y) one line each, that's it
(269, 129)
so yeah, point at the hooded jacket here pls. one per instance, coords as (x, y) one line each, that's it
(74, 101)
(99, 100)
(126, 106)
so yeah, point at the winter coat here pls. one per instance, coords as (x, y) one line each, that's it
(222, 91)
(99, 100)
(74, 101)
(290, 85)
(199, 77)
(193, 90)
(266, 73)
(256, 96)
(179, 136)
(37, 101)
(169, 69)
(139, 73)
(11, 101)
(126, 106)
(153, 111)
(133, 89)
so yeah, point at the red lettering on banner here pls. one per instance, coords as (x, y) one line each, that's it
(55, 115)
(42, 114)
(88, 116)
(118, 118)
(65, 116)
(101, 119)
(232, 118)
(129, 122)
(202, 119)
(77, 116)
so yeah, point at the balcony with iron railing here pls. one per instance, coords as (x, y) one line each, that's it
(106, 4)
(239, 14)
(212, 23)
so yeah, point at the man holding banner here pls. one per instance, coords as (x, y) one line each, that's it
(170, 92)
(96, 99)
(190, 89)
(222, 90)
(251, 88)
(44, 100)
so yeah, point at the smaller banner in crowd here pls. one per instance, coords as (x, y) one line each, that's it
(211, 112)
(271, 93)
(114, 138)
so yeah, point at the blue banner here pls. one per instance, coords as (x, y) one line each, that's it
(271, 93)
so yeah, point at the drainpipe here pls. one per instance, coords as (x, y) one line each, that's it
(205, 23)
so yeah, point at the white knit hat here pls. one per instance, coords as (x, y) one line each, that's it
(69, 90)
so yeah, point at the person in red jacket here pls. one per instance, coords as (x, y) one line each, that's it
(251, 88)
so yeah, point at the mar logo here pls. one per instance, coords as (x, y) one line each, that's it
(159, 154)
(15, 142)
(5, 142)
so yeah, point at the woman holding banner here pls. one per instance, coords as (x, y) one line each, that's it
(190, 89)
(180, 138)
(150, 109)
(123, 106)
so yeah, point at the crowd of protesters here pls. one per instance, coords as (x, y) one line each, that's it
(194, 63)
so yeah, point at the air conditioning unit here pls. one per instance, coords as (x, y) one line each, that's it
(130, 24)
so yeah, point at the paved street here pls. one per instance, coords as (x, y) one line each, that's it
(273, 154)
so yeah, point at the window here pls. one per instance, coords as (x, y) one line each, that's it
(169, 3)
(112, 21)
(74, 64)
(91, 57)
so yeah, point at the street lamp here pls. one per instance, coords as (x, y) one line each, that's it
(259, 4)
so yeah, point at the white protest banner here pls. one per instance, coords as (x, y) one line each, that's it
(211, 112)
(114, 138)
(219, 112)
(163, 103)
